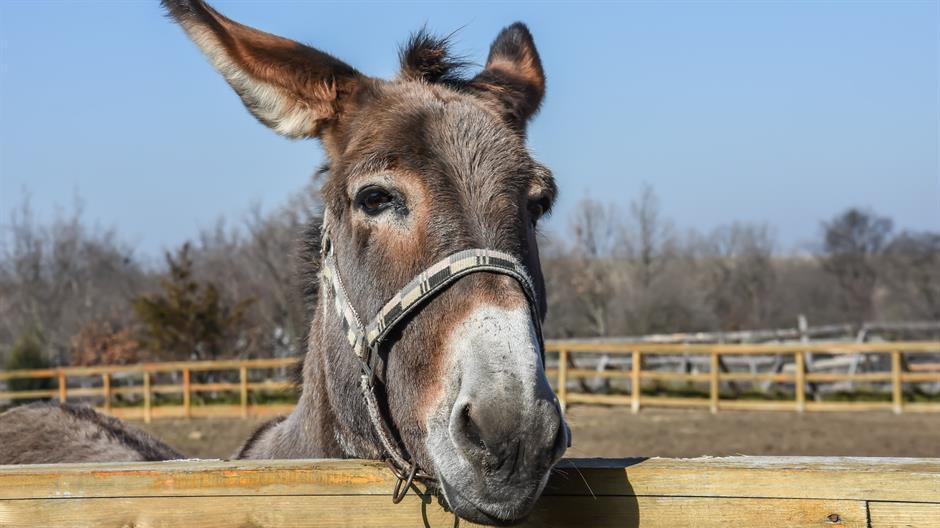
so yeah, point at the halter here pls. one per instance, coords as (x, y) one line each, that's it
(366, 340)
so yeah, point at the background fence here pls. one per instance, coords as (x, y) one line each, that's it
(895, 369)
(133, 387)
(898, 376)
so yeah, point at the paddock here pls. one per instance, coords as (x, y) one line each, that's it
(639, 492)
(647, 493)
(896, 372)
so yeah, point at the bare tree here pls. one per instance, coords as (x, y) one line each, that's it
(263, 261)
(652, 302)
(852, 243)
(597, 239)
(740, 276)
(558, 267)
(651, 237)
(802, 287)
(911, 273)
(55, 277)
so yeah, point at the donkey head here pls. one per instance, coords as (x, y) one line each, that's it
(421, 167)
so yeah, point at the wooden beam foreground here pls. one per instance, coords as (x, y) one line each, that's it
(647, 493)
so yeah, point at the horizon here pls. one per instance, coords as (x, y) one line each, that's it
(776, 114)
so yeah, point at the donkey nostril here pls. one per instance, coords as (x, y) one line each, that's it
(470, 429)
(562, 438)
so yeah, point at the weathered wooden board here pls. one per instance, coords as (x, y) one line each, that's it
(841, 478)
(320, 511)
(697, 512)
(196, 478)
(702, 492)
(837, 478)
(904, 515)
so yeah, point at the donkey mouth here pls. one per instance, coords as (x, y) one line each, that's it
(487, 486)
(493, 513)
(497, 431)
(499, 493)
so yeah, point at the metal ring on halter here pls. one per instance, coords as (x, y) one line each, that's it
(400, 493)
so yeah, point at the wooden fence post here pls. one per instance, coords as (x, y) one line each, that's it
(563, 379)
(187, 395)
(63, 386)
(106, 391)
(243, 375)
(147, 411)
(897, 392)
(635, 370)
(713, 382)
(799, 386)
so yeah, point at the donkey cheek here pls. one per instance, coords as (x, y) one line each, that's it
(433, 403)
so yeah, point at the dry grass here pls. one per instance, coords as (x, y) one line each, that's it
(615, 432)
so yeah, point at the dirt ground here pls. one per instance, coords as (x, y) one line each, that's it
(615, 432)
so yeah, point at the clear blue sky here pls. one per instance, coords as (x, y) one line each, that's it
(777, 112)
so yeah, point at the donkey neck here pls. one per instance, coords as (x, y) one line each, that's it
(330, 419)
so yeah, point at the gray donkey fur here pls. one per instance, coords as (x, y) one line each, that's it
(45, 433)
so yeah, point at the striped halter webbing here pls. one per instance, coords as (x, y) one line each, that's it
(366, 340)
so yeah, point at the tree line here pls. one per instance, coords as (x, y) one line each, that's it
(75, 294)
(631, 272)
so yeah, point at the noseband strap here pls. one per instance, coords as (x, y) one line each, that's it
(366, 339)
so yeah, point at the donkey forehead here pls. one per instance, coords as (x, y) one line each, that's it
(441, 135)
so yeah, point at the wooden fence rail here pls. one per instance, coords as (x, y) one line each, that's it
(146, 389)
(563, 374)
(897, 376)
(631, 493)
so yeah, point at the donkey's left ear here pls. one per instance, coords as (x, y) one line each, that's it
(513, 75)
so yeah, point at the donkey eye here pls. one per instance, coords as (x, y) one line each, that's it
(373, 200)
(536, 210)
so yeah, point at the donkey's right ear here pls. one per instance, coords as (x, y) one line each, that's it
(294, 89)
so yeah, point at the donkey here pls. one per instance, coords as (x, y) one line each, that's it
(428, 177)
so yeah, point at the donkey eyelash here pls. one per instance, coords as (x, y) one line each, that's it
(538, 208)
(373, 200)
